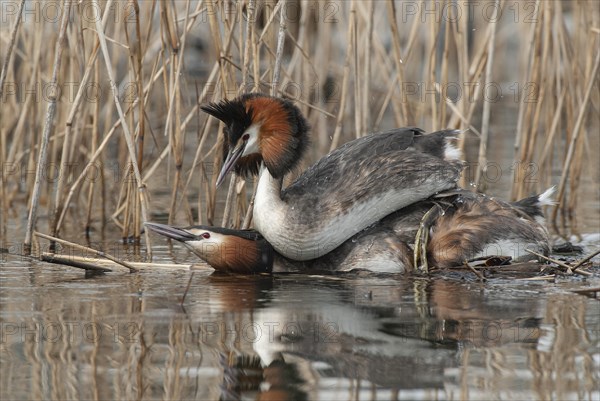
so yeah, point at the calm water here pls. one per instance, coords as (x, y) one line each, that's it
(127, 336)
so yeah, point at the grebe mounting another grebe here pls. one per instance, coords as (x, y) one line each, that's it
(353, 187)
(466, 226)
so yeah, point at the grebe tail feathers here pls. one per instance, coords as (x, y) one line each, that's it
(475, 225)
(532, 205)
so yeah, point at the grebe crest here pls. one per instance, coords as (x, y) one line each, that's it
(260, 129)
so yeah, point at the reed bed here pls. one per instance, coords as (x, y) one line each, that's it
(100, 123)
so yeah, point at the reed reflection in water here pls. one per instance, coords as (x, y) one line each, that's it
(291, 337)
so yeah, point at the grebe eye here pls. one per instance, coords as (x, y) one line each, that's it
(245, 137)
(205, 235)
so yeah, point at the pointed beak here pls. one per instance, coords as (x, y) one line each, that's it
(175, 233)
(230, 161)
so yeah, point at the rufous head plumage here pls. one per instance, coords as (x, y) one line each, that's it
(260, 129)
(226, 250)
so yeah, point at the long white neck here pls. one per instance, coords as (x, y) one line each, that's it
(269, 209)
(291, 230)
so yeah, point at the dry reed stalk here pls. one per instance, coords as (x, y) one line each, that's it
(107, 137)
(48, 125)
(412, 36)
(582, 154)
(391, 13)
(11, 44)
(249, 33)
(542, 70)
(553, 128)
(569, 269)
(366, 95)
(141, 188)
(460, 34)
(54, 207)
(444, 68)
(53, 258)
(358, 128)
(485, 126)
(301, 72)
(217, 41)
(202, 136)
(345, 82)
(128, 189)
(58, 206)
(386, 102)
(198, 159)
(591, 79)
(150, 171)
(226, 84)
(458, 113)
(524, 106)
(3, 203)
(280, 43)
(86, 249)
(136, 54)
(585, 260)
(31, 108)
(248, 218)
(140, 266)
(176, 137)
(92, 185)
(431, 70)
(229, 200)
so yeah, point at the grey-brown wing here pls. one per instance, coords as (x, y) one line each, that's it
(371, 165)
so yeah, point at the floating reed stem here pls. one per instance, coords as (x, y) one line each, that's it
(86, 249)
(569, 269)
(53, 258)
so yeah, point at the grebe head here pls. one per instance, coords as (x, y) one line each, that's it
(226, 250)
(260, 128)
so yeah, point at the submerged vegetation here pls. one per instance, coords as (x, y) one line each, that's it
(100, 100)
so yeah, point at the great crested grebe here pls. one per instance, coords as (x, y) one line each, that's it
(351, 188)
(465, 226)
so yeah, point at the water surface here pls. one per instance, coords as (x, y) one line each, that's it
(129, 336)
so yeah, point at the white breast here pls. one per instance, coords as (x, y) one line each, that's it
(300, 234)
